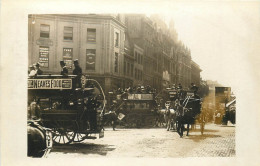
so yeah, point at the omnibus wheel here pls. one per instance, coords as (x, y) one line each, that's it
(63, 136)
(78, 137)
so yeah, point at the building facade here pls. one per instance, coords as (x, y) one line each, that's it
(117, 50)
(97, 41)
(195, 73)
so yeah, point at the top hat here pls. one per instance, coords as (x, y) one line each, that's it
(62, 62)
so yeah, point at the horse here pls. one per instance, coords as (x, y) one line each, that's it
(110, 118)
(169, 116)
(187, 111)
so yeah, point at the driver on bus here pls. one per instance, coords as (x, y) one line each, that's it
(64, 70)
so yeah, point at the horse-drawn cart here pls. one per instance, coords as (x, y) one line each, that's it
(72, 107)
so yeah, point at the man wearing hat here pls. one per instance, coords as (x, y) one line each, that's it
(64, 70)
(77, 71)
(194, 88)
(33, 71)
(38, 70)
(30, 69)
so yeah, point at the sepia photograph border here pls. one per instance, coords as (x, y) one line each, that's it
(14, 72)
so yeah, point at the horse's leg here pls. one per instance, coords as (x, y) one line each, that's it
(178, 128)
(188, 128)
(168, 124)
(113, 124)
(182, 129)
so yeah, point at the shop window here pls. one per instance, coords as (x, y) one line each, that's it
(45, 31)
(90, 59)
(91, 35)
(44, 56)
(67, 57)
(68, 33)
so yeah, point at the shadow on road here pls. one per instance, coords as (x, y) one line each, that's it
(84, 148)
(205, 130)
(198, 138)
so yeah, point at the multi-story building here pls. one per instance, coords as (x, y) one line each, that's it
(97, 41)
(142, 32)
(117, 50)
(195, 73)
(183, 66)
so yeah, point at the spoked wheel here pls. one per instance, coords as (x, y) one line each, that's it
(78, 137)
(63, 133)
(63, 136)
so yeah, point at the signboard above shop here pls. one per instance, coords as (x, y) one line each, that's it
(49, 83)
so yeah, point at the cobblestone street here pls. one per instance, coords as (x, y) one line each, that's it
(217, 141)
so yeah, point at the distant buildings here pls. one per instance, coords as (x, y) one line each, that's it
(117, 50)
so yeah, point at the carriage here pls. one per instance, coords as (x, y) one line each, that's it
(72, 107)
(136, 109)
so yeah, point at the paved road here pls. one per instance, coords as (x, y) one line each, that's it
(217, 141)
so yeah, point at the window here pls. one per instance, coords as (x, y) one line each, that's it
(132, 70)
(91, 35)
(68, 33)
(116, 62)
(44, 56)
(45, 31)
(116, 39)
(67, 57)
(135, 73)
(128, 69)
(124, 68)
(90, 59)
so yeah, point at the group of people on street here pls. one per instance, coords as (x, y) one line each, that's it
(35, 70)
(135, 89)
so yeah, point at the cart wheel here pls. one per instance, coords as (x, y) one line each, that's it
(78, 137)
(63, 136)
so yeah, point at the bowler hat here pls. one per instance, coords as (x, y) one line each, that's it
(76, 61)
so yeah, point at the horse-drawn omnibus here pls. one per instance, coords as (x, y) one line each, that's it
(72, 107)
(137, 109)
